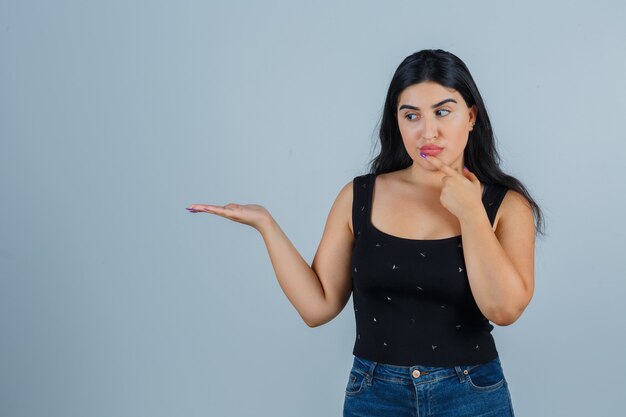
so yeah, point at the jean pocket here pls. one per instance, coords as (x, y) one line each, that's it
(355, 382)
(487, 376)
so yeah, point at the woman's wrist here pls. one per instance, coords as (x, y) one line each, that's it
(266, 224)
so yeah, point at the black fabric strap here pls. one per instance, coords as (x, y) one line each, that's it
(492, 198)
(361, 191)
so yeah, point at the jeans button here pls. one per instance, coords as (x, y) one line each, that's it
(416, 374)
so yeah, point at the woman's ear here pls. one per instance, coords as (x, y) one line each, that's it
(473, 112)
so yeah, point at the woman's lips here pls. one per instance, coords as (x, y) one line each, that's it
(431, 151)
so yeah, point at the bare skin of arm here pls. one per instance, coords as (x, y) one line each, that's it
(318, 292)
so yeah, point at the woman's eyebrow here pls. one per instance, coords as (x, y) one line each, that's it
(407, 106)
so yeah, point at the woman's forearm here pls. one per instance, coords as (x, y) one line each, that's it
(496, 285)
(297, 279)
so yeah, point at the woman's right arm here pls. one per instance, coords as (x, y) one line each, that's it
(318, 292)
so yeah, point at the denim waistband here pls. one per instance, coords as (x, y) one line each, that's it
(406, 374)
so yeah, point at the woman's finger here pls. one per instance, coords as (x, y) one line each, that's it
(210, 208)
(440, 165)
(250, 214)
(196, 208)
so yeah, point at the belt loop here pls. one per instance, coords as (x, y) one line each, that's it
(462, 373)
(370, 373)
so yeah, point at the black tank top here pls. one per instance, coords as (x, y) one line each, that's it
(412, 300)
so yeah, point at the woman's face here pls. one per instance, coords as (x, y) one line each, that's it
(431, 114)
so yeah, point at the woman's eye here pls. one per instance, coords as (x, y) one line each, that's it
(409, 116)
(446, 112)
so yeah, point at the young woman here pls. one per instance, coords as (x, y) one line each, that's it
(434, 244)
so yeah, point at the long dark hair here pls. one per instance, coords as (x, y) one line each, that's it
(481, 156)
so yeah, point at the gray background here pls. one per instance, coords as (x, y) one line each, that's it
(116, 115)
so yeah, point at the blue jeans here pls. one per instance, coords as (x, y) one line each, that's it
(376, 389)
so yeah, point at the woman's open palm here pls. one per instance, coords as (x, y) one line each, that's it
(251, 214)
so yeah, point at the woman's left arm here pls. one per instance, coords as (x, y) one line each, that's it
(500, 264)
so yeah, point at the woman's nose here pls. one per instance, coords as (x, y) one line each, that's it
(429, 128)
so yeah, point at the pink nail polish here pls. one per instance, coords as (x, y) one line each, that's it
(423, 155)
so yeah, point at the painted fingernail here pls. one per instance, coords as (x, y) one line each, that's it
(423, 155)
(465, 168)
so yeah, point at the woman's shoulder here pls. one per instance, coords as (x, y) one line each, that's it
(363, 180)
(514, 208)
(362, 177)
(510, 197)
